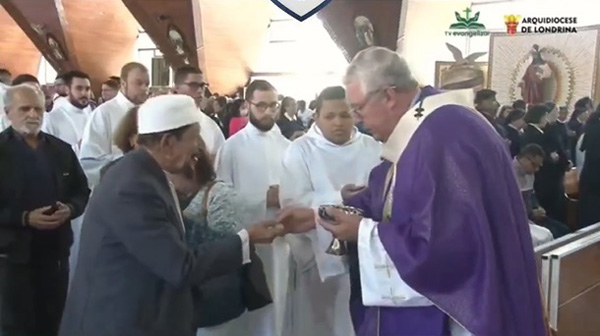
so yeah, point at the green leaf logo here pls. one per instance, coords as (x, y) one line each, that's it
(467, 22)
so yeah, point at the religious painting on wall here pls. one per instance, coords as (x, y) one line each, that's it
(544, 67)
(463, 73)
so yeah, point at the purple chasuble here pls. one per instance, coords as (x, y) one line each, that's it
(458, 234)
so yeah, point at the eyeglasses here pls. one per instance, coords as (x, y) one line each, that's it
(263, 106)
(357, 109)
(195, 86)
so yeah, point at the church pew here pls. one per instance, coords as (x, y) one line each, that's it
(564, 240)
(574, 286)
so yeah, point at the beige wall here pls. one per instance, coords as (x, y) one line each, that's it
(425, 38)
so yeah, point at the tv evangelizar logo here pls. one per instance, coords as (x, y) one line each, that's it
(301, 9)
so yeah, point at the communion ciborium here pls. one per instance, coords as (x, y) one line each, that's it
(337, 247)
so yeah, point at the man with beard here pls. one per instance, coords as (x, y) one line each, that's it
(189, 81)
(68, 121)
(43, 188)
(97, 147)
(251, 161)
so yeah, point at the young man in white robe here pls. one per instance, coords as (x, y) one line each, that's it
(316, 167)
(190, 81)
(251, 162)
(68, 121)
(97, 146)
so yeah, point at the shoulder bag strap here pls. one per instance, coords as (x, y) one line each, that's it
(205, 198)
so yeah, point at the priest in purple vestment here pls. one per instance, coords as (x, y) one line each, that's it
(443, 247)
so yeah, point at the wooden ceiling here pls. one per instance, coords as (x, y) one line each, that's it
(17, 53)
(94, 36)
(103, 35)
(234, 32)
(223, 38)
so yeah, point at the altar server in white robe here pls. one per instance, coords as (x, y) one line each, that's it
(68, 121)
(251, 162)
(97, 147)
(190, 81)
(316, 167)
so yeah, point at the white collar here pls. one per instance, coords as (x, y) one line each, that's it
(407, 125)
(315, 132)
(252, 130)
(123, 101)
(537, 128)
(70, 108)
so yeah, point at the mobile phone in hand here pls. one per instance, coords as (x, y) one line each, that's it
(52, 210)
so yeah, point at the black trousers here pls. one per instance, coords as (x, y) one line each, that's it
(32, 296)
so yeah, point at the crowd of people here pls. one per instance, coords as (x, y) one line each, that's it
(191, 213)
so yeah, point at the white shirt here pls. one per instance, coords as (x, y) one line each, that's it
(60, 102)
(305, 116)
(211, 134)
(97, 146)
(4, 122)
(314, 172)
(67, 123)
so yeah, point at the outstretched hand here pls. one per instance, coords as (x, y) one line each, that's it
(265, 232)
(297, 220)
(344, 226)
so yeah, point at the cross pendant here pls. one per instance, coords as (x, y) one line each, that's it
(419, 113)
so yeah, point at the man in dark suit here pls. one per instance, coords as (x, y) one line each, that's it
(135, 273)
(43, 187)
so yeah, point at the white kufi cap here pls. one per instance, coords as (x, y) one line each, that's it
(167, 112)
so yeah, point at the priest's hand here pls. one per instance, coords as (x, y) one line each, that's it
(297, 220)
(349, 190)
(344, 227)
(273, 197)
(265, 232)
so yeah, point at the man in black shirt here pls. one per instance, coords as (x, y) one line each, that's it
(43, 187)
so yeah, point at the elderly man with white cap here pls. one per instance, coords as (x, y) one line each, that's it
(135, 273)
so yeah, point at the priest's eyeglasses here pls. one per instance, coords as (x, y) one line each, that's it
(263, 106)
(357, 109)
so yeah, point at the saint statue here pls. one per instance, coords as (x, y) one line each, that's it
(464, 73)
(532, 83)
(364, 32)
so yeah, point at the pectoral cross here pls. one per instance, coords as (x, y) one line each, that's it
(419, 111)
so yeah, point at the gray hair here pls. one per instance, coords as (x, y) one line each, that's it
(377, 67)
(13, 91)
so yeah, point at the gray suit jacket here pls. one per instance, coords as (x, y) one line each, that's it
(135, 273)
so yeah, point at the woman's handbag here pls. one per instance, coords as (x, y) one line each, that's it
(226, 297)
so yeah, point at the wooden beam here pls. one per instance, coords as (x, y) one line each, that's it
(41, 22)
(163, 20)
